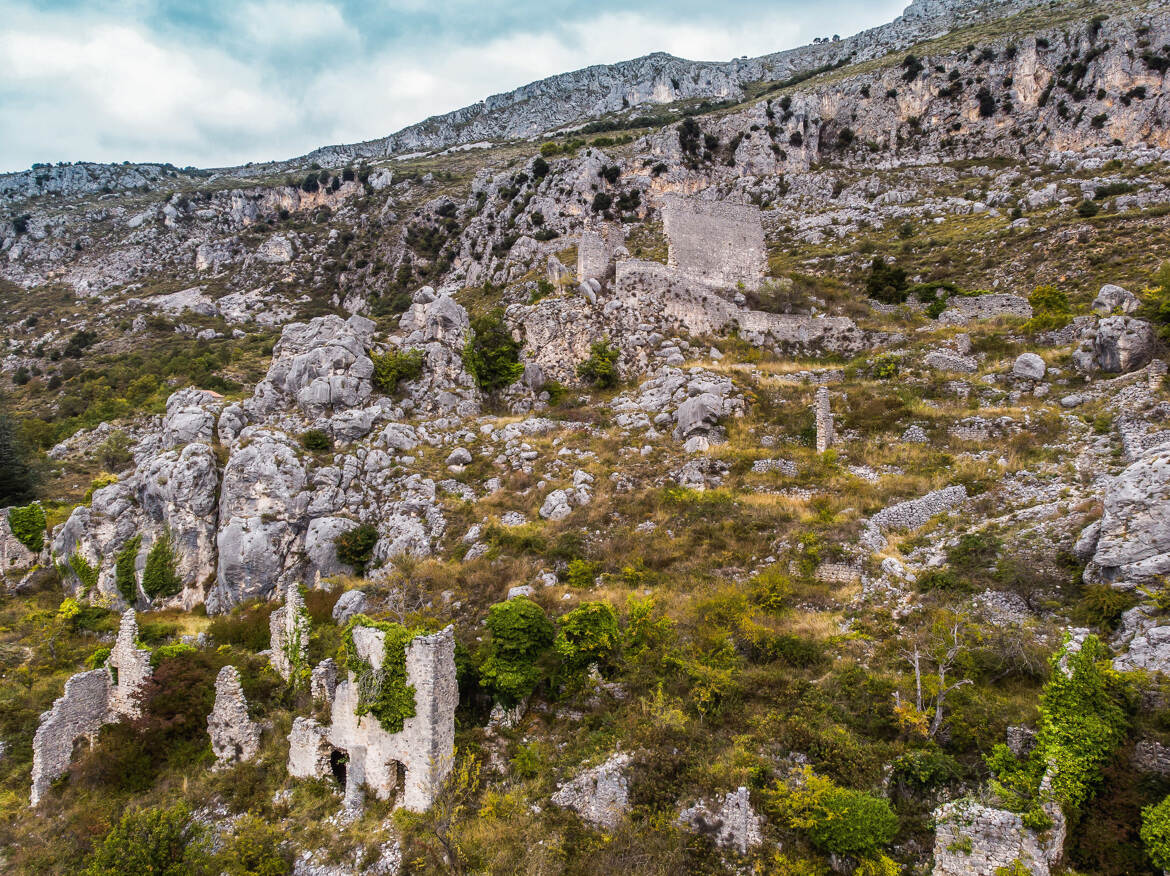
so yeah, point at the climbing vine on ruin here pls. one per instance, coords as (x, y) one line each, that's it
(383, 693)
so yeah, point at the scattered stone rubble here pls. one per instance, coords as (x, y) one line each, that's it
(911, 514)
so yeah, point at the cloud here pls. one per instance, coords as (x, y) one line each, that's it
(153, 80)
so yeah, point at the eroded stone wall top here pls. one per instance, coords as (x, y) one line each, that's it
(718, 243)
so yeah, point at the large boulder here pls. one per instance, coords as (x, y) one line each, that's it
(1134, 541)
(191, 416)
(1113, 299)
(600, 795)
(1029, 366)
(1122, 344)
(320, 550)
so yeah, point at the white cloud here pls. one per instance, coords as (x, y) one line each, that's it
(294, 76)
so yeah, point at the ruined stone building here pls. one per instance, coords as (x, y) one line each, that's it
(824, 418)
(715, 242)
(91, 699)
(234, 736)
(359, 752)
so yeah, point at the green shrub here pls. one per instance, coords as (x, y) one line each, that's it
(382, 692)
(355, 547)
(491, 356)
(1082, 721)
(600, 369)
(256, 848)
(1101, 606)
(772, 589)
(125, 574)
(886, 283)
(316, 441)
(18, 476)
(87, 574)
(521, 636)
(394, 366)
(246, 627)
(588, 635)
(151, 842)
(1156, 301)
(159, 578)
(580, 573)
(924, 769)
(1088, 209)
(885, 367)
(170, 652)
(1156, 833)
(28, 525)
(837, 820)
(1050, 310)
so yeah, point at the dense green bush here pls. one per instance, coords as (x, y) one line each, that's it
(1156, 833)
(85, 572)
(588, 635)
(394, 366)
(125, 574)
(1050, 310)
(600, 369)
(152, 842)
(837, 820)
(355, 547)
(28, 525)
(513, 658)
(382, 692)
(491, 356)
(886, 283)
(1088, 209)
(1156, 301)
(159, 578)
(316, 441)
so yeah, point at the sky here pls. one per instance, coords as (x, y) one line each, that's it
(224, 82)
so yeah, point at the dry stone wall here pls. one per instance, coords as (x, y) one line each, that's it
(234, 736)
(288, 629)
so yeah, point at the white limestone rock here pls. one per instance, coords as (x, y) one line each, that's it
(601, 795)
(734, 824)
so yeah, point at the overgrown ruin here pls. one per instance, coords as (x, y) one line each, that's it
(413, 762)
(91, 700)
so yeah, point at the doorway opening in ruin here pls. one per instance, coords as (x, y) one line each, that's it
(338, 761)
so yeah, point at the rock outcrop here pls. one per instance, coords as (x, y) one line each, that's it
(1133, 542)
(733, 824)
(600, 795)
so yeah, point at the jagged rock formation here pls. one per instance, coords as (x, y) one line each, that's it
(1133, 541)
(412, 762)
(91, 699)
(235, 737)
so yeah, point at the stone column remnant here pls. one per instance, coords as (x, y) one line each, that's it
(824, 416)
(234, 736)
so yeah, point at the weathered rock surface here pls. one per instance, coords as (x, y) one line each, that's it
(1133, 544)
(733, 824)
(972, 839)
(600, 795)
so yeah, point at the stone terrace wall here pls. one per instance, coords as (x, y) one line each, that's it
(715, 242)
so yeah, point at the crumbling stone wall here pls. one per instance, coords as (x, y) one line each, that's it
(715, 242)
(308, 749)
(234, 736)
(288, 631)
(91, 699)
(975, 840)
(80, 711)
(426, 744)
(129, 668)
(595, 253)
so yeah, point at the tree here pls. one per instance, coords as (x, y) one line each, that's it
(588, 635)
(943, 650)
(18, 477)
(600, 368)
(521, 636)
(492, 355)
(151, 842)
(886, 283)
(355, 547)
(1156, 833)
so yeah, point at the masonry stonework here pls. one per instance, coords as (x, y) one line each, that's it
(234, 736)
(714, 242)
(824, 415)
(288, 629)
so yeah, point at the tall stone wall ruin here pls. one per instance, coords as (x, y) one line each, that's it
(288, 630)
(420, 754)
(715, 242)
(91, 699)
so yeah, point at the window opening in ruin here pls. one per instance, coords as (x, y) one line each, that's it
(337, 765)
